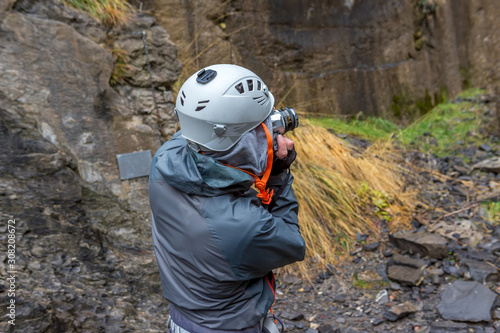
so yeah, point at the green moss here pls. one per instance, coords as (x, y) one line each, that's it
(371, 128)
(377, 201)
(406, 106)
(471, 93)
(440, 130)
(465, 73)
(419, 43)
(375, 284)
(426, 7)
(492, 210)
(397, 105)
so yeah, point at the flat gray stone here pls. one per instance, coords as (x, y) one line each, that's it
(421, 242)
(467, 301)
(405, 275)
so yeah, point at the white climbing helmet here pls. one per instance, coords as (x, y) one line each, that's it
(220, 103)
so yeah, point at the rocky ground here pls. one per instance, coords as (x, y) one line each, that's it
(84, 260)
(442, 276)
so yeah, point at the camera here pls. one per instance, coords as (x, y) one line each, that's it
(283, 120)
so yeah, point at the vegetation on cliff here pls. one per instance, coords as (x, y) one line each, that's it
(108, 12)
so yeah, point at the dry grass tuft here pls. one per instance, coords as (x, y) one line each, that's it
(121, 66)
(108, 12)
(342, 192)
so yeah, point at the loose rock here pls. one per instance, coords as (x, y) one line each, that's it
(400, 311)
(489, 165)
(421, 242)
(405, 275)
(481, 271)
(467, 301)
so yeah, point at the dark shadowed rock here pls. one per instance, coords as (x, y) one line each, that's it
(467, 301)
(327, 329)
(421, 242)
(485, 147)
(481, 271)
(371, 246)
(378, 321)
(400, 260)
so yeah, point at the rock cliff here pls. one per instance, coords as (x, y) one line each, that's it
(83, 259)
(344, 56)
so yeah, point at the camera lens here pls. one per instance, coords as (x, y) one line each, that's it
(284, 120)
(290, 118)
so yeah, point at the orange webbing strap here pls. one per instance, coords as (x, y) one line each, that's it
(271, 283)
(261, 183)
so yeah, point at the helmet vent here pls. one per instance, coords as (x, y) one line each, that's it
(201, 105)
(262, 100)
(250, 85)
(259, 85)
(240, 88)
(182, 99)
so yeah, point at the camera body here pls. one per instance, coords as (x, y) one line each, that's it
(283, 120)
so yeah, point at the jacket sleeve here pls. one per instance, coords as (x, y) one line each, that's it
(256, 240)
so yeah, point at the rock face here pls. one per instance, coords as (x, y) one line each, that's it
(340, 56)
(84, 257)
(57, 79)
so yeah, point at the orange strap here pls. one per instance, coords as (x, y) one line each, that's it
(271, 283)
(261, 183)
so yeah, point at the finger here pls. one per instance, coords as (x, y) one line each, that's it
(289, 143)
(282, 148)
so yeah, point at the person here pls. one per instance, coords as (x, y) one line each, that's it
(216, 238)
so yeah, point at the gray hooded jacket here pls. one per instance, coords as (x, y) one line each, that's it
(215, 243)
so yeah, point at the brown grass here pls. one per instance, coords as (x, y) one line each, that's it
(107, 12)
(121, 66)
(342, 192)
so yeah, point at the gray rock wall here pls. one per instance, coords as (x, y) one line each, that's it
(84, 259)
(342, 57)
(56, 77)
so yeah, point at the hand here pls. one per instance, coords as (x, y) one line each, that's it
(284, 145)
(284, 156)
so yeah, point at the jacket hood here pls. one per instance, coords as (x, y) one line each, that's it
(195, 173)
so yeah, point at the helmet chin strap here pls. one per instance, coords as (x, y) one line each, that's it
(264, 195)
